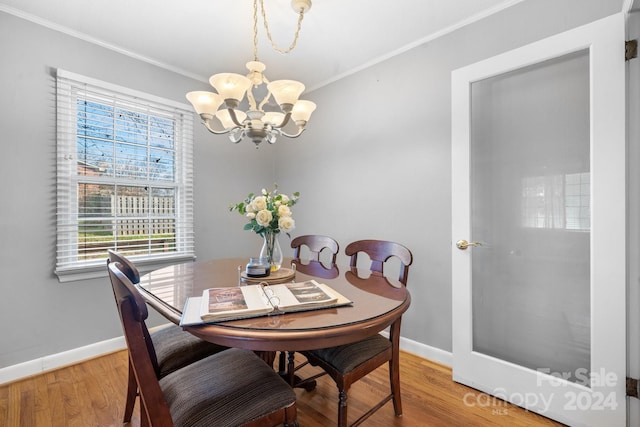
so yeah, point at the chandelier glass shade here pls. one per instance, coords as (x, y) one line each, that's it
(221, 111)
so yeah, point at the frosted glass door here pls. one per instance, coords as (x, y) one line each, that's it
(538, 227)
(531, 199)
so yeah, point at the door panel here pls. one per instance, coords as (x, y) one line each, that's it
(538, 181)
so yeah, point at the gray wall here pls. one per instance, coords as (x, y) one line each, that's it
(374, 163)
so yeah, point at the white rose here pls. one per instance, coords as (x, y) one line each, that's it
(264, 217)
(259, 203)
(286, 223)
(283, 210)
(250, 215)
(285, 199)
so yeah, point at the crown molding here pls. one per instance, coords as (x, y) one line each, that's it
(98, 42)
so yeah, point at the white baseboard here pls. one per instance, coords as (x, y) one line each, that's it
(54, 361)
(426, 351)
(76, 355)
(65, 358)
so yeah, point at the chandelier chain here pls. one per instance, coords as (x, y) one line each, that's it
(266, 27)
(255, 30)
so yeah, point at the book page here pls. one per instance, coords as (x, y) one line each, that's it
(233, 302)
(303, 294)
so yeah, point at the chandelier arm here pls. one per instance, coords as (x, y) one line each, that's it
(266, 28)
(300, 130)
(234, 118)
(252, 99)
(206, 122)
(264, 101)
(267, 96)
(285, 120)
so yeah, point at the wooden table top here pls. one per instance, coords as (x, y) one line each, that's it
(377, 302)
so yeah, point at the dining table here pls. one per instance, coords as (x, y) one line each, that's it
(376, 302)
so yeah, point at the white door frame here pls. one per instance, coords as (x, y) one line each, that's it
(604, 401)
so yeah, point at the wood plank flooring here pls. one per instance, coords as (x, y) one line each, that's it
(92, 393)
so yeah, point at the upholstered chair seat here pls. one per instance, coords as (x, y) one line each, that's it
(346, 358)
(176, 348)
(227, 389)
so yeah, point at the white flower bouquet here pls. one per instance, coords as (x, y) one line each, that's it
(268, 212)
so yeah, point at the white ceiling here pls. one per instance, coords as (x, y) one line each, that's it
(198, 38)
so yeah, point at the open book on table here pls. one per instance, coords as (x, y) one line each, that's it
(229, 303)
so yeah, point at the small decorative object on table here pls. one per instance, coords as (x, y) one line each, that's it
(258, 267)
(269, 213)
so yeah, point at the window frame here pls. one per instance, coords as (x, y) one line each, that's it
(69, 88)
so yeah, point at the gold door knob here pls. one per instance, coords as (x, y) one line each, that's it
(463, 244)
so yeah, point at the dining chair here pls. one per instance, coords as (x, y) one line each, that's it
(348, 363)
(229, 388)
(316, 244)
(174, 347)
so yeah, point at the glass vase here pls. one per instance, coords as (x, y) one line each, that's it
(271, 250)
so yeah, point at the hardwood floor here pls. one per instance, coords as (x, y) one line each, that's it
(92, 394)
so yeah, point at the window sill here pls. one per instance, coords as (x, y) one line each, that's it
(73, 274)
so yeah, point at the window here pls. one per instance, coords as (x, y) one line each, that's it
(557, 201)
(125, 177)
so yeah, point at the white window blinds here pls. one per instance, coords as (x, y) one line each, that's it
(125, 176)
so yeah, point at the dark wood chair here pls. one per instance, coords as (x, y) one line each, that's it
(317, 269)
(348, 363)
(229, 388)
(174, 347)
(316, 245)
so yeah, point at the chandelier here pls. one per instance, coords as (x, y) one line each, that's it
(220, 111)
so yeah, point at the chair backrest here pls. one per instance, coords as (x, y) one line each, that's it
(380, 251)
(133, 313)
(316, 243)
(127, 266)
(318, 269)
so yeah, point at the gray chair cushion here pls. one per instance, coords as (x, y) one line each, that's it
(227, 389)
(176, 348)
(346, 358)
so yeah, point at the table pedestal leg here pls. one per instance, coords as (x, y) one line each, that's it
(287, 371)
